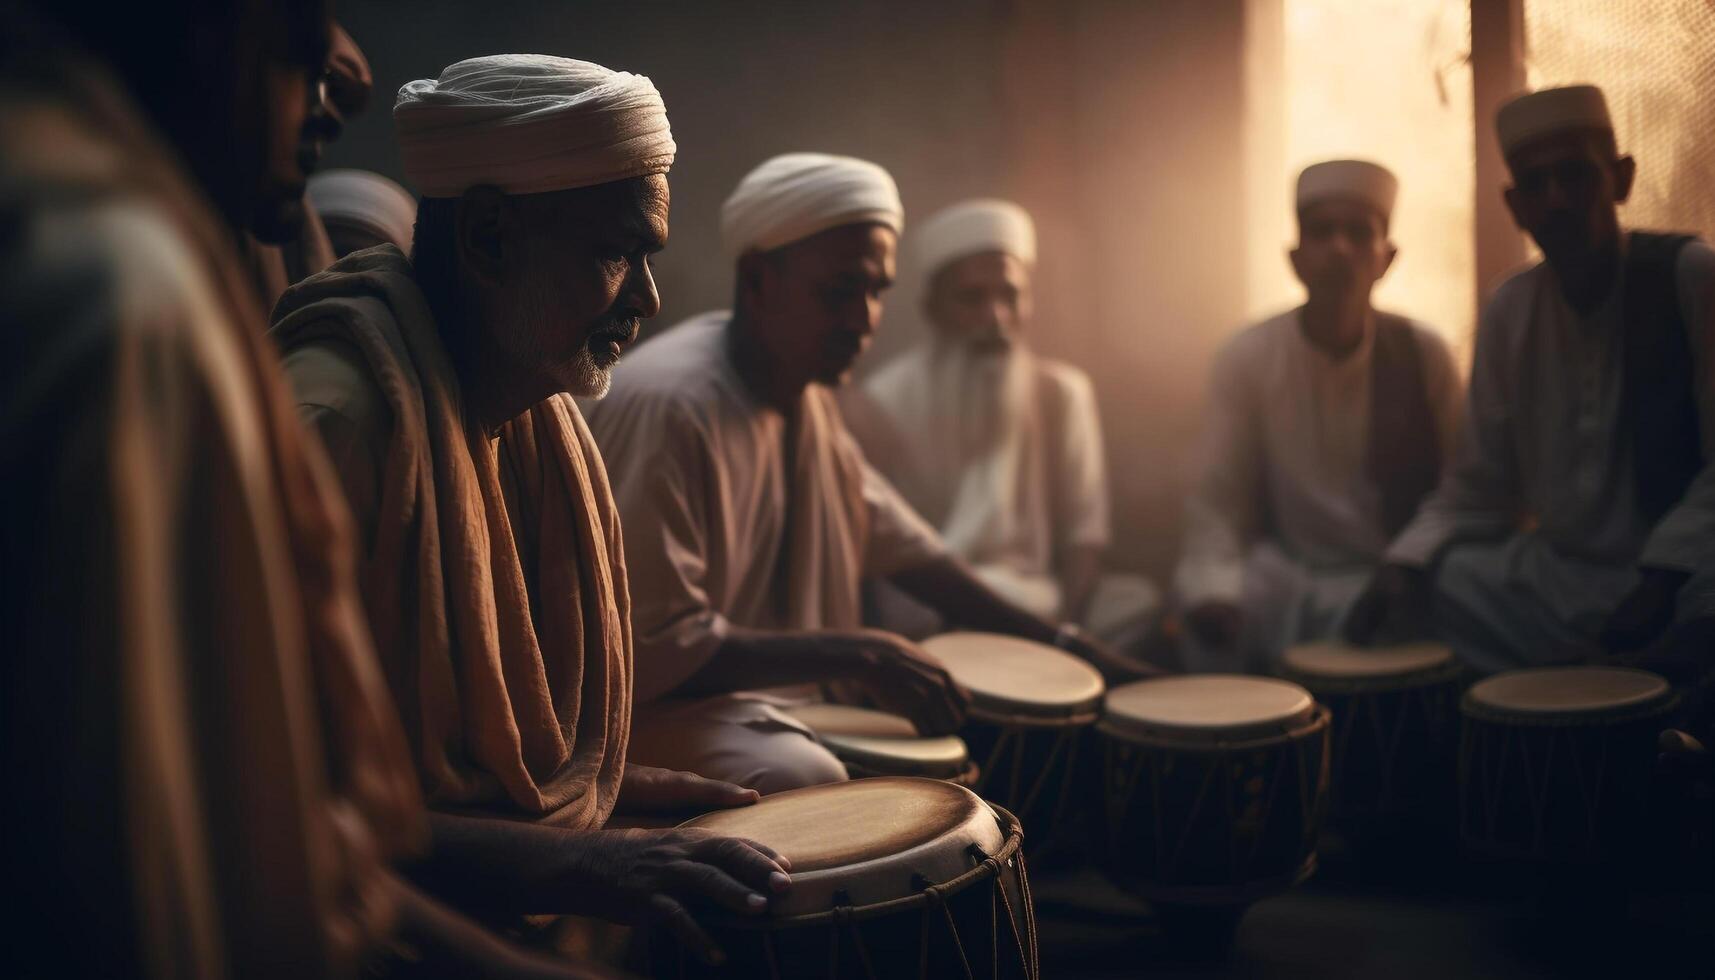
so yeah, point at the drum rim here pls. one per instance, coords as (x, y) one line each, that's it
(1316, 684)
(1320, 718)
(882, 762)
(1002, 710)
(1473, 707)
(1009, 853)
(1190, 734)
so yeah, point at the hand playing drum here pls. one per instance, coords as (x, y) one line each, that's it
(905, 679)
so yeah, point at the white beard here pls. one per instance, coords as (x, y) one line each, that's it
(528, 307)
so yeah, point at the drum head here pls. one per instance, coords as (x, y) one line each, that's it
(1571, 692)
(1208, 707)
(1008, 676)
(867, 838)
(1339, 661)
(882, 742)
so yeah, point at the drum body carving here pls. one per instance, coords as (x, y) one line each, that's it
(877, 743)
(1031, 708)
(1213, 787)
(1394, 724)
(1555, 763)
(891, 877)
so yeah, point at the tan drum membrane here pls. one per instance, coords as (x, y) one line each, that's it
(881, 743)
(1591, 691)
(1208, 707)
(867, 837)
(1339, 660)
(1008, 676)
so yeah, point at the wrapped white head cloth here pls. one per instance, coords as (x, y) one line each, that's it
(367, 200)
(1355, 180)
(1534, 115)
(528, 124)
(970, 227)
(796, 195)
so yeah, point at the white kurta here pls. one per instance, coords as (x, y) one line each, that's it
(1003, 452)
(1562, 459)
(1284, 519)
(724, 526)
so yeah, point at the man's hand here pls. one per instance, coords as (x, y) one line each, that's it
(907, 680)
(1116, 668)
(657, 876)
(646, 790)
(1395, 603)
(1645, 613)
(1215, 623)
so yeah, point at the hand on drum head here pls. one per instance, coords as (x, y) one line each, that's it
(660, 875)
(647, 789)
(1395, 605)
(905, 679)
(1116, 668)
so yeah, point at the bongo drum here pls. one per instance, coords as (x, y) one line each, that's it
(1394, 729)
(1555, 763)
(877, 743)
(1213, 787)
(891, 877)
(1030, 707)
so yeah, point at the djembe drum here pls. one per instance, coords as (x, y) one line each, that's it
(1212, 793)
(878, 743)
(1555, 763)
(891, 877)
(1394, 731)
(1031, 706)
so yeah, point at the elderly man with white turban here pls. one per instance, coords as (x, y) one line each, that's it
(1326, 427)
(1582, 501)
(999, 447)
(491, 562)
(751, 515)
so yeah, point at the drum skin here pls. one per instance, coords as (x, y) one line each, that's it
(1191, 818)
(1395, 735)
(1549, 773)
(893, 877)
(877, 743)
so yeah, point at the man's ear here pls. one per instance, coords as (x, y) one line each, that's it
(1295, 256)
(1625, 172)
(752, 272)
(480, 232)
(1388, 258)
(1510, 194)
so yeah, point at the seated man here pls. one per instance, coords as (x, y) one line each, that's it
(1582, 501)
(1000, 448)
(751, 517)
(361, 209)
(491, 560)
(1327, 425)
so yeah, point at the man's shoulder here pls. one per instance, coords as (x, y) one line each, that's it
(1064, 379)
(330, 375)
(1243, 351)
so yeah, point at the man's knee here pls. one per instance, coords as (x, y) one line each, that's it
(794, 762)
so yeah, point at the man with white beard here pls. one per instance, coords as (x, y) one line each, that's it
(997, 446)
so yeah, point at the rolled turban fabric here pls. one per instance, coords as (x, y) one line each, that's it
(365, 200)
(1357, 180)
(529, 124)
(796, 195)
(971, 227)
(1533, 115)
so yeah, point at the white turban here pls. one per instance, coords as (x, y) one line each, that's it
(796, 195)
(1356, 180)
(1534, 115)
(970, 227)
(366, 200)
(530, 123)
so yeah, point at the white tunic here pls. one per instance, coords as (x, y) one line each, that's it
(1562, 461)
(1283, 518)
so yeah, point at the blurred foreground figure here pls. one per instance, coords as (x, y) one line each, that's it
(751, 515)
(491, 559)
(1000, 447)
(1327, 426)
(361, 210)
(1582, 501)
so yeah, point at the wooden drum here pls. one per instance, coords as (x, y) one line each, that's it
(1555, 763)
(878, 743)
(1213, 787)
(1395, 723)
(891, 877)
(1031, 705)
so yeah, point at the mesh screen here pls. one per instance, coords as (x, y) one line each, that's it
(1655, 61)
